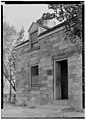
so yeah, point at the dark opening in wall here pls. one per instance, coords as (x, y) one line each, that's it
(34, 76)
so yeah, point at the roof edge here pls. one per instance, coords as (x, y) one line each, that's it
(31, 26)
(22, 43)
(53, 28)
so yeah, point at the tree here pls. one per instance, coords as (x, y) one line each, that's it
(20, 38)
(71, 14)
(9, 39)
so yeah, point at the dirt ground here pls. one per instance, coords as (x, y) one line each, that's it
(13, 111)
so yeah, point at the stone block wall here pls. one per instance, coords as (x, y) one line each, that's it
(56, 48)
(22, 80)
(52, 47)
(75, 80)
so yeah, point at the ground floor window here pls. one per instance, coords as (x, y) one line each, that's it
(34, 76)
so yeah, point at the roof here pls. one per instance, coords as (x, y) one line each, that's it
(32, 25)
(53, 28)
(45, 32)
(40, 23)
(46, 27)
(22, 43)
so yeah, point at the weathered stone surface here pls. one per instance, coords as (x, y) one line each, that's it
(52, 47)
(53, 38)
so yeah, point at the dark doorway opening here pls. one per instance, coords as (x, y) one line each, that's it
(62, 79)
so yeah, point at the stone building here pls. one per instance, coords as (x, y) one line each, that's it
(48, 68)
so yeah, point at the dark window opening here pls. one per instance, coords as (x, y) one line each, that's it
(34, 76)
(34, 70)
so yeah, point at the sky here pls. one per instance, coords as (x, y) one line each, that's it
(24, 15)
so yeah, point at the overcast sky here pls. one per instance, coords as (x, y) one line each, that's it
(24, 15)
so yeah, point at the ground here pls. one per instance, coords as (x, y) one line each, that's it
(48, 111)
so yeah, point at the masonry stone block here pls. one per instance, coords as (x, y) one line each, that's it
(52, 47)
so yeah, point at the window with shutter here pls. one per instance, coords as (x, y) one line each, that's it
(34, 76)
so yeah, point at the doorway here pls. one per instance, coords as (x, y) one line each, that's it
(61, 79)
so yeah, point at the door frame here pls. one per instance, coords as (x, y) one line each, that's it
(55, 74)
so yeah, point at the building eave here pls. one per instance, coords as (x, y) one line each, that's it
(53, 28)
(27, 41)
